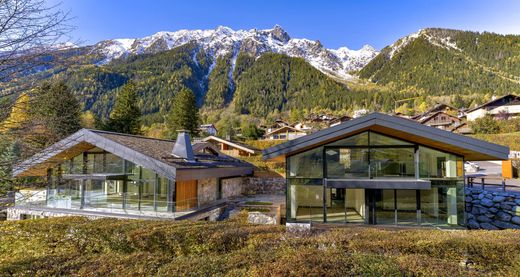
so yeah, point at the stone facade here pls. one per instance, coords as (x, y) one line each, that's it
(207, 190)
(231, 187)
(255, 185)
(492, 210)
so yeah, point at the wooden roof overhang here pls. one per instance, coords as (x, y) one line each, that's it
(471, 149)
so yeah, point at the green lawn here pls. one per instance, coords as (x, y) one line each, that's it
(78, 246)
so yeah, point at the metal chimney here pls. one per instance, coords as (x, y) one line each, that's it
(182, 147)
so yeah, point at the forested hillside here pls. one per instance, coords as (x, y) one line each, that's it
(450, 62)
(434, 65)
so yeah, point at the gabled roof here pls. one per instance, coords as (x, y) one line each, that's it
(284, 129)
(151, 153)
(470, 148)
(431, 116)
(234, 144)
(497, 101)
(439, 107)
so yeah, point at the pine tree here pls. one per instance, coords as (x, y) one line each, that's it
(54, 114)
(57, 109)
(126, 115)
(184, 114)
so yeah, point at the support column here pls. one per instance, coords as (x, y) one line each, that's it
(325, 200)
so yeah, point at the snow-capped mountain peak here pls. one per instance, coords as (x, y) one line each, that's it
(224, 40)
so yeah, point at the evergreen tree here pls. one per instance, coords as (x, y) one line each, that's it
(184, 114)
(126, 115)
(54, 114)
(57, 110)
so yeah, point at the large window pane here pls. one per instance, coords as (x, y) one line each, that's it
(355, 140)
(347, 163)
(406, 207)
(305, 200)
(308, 164)
(437, 164)
(162, 194)
(392, 163)
(385, 206)
(378, 139)
(346, 206)
(148, 183)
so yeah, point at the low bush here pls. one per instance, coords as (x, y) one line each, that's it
(79, 246)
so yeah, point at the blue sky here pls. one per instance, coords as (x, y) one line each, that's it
(335, 23)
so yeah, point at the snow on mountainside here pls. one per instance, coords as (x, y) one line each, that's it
(223, 41)
(437, 40)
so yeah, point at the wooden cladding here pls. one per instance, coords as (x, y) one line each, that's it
(507, 169)
(186, 195)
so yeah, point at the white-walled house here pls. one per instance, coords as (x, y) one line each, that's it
(504, 107)
(209, 129)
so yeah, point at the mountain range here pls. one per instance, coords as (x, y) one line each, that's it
(225, 41)
(260, 72)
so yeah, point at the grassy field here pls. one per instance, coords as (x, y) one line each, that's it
(78, 246)
(509, 139)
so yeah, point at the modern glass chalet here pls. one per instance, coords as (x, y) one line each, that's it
(113, 173)
(379, 169)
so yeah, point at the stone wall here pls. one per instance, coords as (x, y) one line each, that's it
(207, 190)
(492, 210)
(231, 187)
(255, 185)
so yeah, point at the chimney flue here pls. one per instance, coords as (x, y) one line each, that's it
(182, 148)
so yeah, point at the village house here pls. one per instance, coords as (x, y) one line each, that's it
(284, 133)
(233, 148)
(504, 107)
(104, 174)
(208, 129)
(441, 120)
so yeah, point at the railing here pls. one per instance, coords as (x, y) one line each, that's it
(125, 203)
(470, 182)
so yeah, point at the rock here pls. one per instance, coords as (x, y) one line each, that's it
(476, 201)
(483, 218)
(506, 207)
(488, 226)
(517, 201)
(488, 196)
(516, 220)
(490, 215)
(468, 199)
(472, 224)
(498, 199)
(481, 196)
(505, 225)
(516, 210)
(260, 218)
(503, 216)
(493, 210)
(470, 216)
(486, 202)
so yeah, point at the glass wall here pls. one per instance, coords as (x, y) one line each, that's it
(306, 200)
(370, 155)
(392, 163)
(118, 184)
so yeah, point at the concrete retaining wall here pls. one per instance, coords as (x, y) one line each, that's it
(492, 210)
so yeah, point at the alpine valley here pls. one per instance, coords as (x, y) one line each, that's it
(261, 72)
